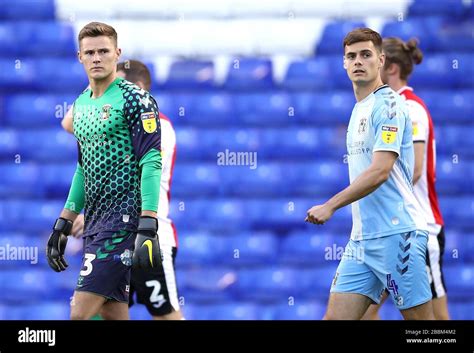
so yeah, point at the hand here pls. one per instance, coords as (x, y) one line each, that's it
(57, 244)
(319, 214)
(147, 248)
(78, 226)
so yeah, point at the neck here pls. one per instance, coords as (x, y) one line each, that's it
(362, 91)
(396, 83)
(100, 86)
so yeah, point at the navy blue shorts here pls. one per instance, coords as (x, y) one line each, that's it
(106, 265)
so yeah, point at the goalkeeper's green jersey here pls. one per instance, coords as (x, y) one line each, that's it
(119, 166)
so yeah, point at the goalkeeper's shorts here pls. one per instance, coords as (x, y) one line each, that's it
(106, 265)
(396, 263)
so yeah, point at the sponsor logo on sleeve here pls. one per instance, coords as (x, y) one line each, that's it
(149, 122)
(389, 134)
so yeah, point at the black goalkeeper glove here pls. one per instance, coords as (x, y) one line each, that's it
(147, 252)
(57, 244)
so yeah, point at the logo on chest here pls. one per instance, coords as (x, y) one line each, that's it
(106, 109)
(362, 128)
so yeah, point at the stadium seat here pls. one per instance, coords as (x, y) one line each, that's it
(28, 10)
(459, 281)
(424, 30)
(190, 75)
(451, 8)
(244, 249)
(311, 248)
(300, 311)
(207, 285)
(454, 178)
(31, 110)
(234, 311)
(263, 109)
(249, 74)
(199, 248)
(333, 36)
(267, 283)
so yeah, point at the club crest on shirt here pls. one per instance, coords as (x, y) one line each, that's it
(389, 134)
(106, 111)
(362, 126)
(415, 129)
(149, 122)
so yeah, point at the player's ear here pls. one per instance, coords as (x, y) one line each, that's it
(118, 52)
(79, 56)
(382, 60)
(344, 62)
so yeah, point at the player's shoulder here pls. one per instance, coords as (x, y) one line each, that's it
(388, 101)
(84, 96)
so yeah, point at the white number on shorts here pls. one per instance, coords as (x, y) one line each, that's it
(156, 298)
(88, 258)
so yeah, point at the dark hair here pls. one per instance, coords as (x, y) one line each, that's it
(136, 71)
(363, 35)
(403, 54)
(96, 29)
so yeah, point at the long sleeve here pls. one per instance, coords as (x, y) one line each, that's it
(150, 165)
(75, 199)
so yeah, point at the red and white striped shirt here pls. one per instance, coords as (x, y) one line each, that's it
(423, 131)
(166, 228)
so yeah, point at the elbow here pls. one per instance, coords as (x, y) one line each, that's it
(382, 176)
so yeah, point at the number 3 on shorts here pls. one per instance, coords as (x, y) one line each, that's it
(88, 258)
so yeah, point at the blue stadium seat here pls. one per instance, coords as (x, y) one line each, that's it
(264, 109)
(459, 281)
(389, 311)
(30, 110)
(446, 8)
(61, 75)
(450, 107)
(196, 179)
(52, 38)
(256, 248)
(212, 109)
(28, 10)
(18, 74)
(456, 251)
(20, 180)
(325, 108)
(449, 144)
(30, 215)
(333, 36)
(22, 285)
(47, 145)
(214, 284)
(300, 311)
(9, 142)
(268, 283)
(39, 311)
(314, 73)
(457, 211)
(461, 310)
(456, 36)
(250, 73)
(190, 75)
(200, 248)
(139, 312)
(433, 69)
(234, 311)
(315, 247)
(56, 179)
(319, 178)
(422, 29)
(454, 178)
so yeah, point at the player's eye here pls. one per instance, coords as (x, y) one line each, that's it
(103, 51)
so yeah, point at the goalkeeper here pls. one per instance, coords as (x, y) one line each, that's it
(119, 167)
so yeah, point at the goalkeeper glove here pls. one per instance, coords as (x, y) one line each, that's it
(147, 252)
(57, 244)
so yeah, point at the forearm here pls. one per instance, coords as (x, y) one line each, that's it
(362, 186)
(75, 199)
(150, 166)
